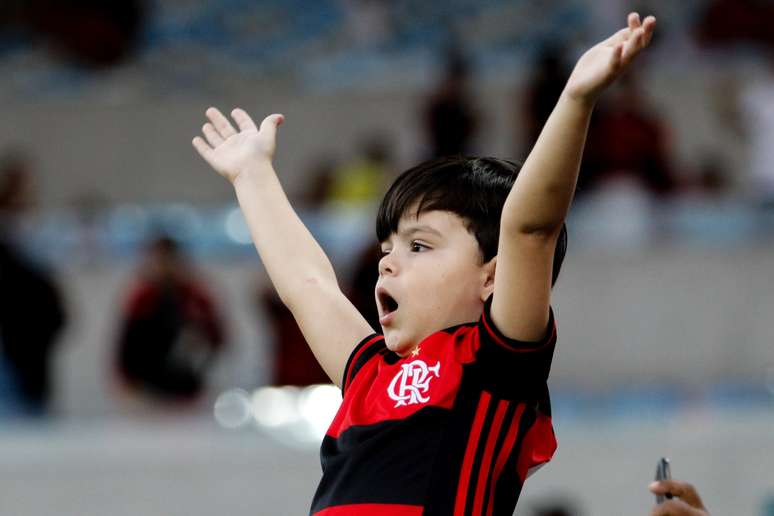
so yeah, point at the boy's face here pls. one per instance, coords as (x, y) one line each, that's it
(430, 278)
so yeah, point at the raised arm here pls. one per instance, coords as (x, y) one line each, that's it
(540, 198)
(296, 264)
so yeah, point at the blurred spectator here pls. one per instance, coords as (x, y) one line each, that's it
(31, 312)
(540, 96)
(628, 139)
(361, 291)
(17, 187)
(711, 180)
(294, 363)
(451, 117)
(726, 22)
(318, 182)
(756, 107)
(363, 279)
(171, 332)
(93, 34)
(556, 509)
(556, 504)
(363, 180)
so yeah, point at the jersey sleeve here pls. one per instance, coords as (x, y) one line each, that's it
(364, 351)
(512, 368)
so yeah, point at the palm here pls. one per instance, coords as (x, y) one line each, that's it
(604, 62)
(232, 155)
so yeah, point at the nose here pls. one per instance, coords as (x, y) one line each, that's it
(387, 265)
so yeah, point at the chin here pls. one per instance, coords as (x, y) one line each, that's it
(395, 344)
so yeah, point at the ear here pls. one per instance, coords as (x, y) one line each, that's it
(488, 276)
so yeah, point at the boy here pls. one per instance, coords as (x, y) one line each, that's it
(442, 414)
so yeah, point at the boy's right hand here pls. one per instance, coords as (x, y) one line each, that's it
(686, 502)
(231, 152)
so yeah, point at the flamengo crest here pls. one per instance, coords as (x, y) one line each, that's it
(411, 382)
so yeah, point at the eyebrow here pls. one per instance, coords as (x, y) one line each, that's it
(420, 228)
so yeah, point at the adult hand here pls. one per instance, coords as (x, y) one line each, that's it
(685, 503)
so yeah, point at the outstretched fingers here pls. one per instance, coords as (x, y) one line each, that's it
(213, 137)
(622, 35)
(633, 24)
(220, 123)
(218, 130)
(639, 39)
(619, 37)
(202, 148)
(243, 120)
(633, 21)
(633, 45)
(649, 24)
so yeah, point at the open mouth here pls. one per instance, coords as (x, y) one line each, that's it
(387, 303)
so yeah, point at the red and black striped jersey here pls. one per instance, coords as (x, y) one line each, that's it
(452, 429)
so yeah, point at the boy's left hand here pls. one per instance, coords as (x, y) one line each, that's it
(604, 62)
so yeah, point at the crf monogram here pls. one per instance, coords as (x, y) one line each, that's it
(411, 382)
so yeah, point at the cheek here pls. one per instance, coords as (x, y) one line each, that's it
(442, 290)
(461, 290)
(433, 287)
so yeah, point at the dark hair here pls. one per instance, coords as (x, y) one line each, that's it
(475, 188)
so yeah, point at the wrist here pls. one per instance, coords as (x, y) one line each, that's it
(253, 174)
(584, 101)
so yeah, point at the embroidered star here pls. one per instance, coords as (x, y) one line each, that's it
(416, 351)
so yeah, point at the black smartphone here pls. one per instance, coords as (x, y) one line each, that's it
(663, 472)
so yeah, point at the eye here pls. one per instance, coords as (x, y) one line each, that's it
(417, 247)
(384, 252)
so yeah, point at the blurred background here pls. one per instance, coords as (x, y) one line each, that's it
(146, 366)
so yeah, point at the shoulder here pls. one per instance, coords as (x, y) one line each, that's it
(460, 342)
(365, 350)
(491, 333)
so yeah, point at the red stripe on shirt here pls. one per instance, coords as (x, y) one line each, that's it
(478, 501)
(355, 358)
(538, 446)
(470, 453)
(372, 509)
(502, 457)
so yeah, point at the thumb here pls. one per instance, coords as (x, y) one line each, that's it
(270, 124)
